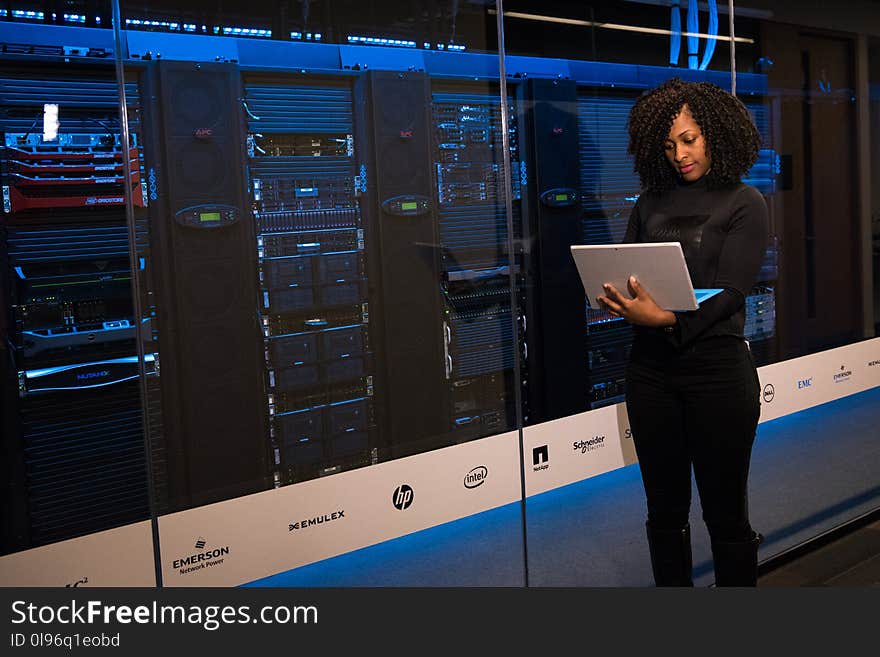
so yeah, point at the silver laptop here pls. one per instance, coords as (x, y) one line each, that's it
(659, 266)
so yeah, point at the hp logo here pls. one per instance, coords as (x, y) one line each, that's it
(402, 498)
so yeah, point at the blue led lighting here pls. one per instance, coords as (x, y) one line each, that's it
(36, 374)
(189, 27)
(296, 35)
(74, 18)
(382, 41)
(3, 12)
(713, 30)
(246, 31)
(20, 13)
(138, 22)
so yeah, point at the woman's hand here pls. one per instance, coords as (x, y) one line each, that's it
(641, 309)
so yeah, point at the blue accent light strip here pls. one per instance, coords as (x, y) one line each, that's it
(96, 385)
(675, 39)
(380, 41)
(713, 30)
(35, 374)
(693, 25)
(34, 15)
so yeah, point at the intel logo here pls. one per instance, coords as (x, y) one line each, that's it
(476, 477)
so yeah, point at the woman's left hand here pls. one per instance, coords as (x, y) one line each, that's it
(641, 309)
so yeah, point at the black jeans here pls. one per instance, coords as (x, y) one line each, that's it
(694, 407)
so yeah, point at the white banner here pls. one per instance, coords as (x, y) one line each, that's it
(796, 384)
(244, 539)
(576, 447)
(116, 557)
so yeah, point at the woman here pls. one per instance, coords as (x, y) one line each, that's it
(692, 388)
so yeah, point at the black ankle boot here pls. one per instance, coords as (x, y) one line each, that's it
(736, 562)
(671, 558)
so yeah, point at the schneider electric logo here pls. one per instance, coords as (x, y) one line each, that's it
(476, 477)
(842, 375)
(201, 560)
(594, 443)
(317, 520)
(540, 458)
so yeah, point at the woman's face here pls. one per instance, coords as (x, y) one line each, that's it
(685, 147)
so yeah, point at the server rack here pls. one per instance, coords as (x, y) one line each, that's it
(73, 438)
(480, 260)
(312, 257)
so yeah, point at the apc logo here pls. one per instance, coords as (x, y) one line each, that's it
(805, 383)
(403, 497)
(769, 393)
(540, 458)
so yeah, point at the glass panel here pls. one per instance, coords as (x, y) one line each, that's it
(73, 443)
(874, 121)
(326, 287)
(577, 71)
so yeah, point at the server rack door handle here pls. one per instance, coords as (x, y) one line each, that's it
(248, 110)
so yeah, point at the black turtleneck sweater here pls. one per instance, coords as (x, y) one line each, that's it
(723, 234)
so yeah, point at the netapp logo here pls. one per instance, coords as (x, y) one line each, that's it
(842, 375)
(476, 477)
(86, 376)
(403, 497)
(584, 446)
(319, 520)
(805, 383)
(540, 458)
(769, 393)
(200, 560)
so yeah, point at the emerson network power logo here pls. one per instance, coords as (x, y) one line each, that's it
(201, 560)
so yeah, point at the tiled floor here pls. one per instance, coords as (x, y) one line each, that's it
(853, 560)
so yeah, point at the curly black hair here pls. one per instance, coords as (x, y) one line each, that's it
(732, 140)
